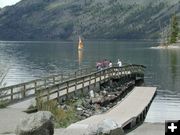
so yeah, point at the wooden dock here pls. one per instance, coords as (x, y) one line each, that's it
(126, 114)
(63, 86)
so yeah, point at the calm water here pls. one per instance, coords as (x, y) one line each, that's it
(30, 60)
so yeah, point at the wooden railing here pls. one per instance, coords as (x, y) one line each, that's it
(79, 83)
(27, 89)
(62, 84)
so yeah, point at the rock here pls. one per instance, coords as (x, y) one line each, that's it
(93, 107)
(96, 95)
(40, 123)
(103, 109)
(86, 115)
(105, 127)
(97, 100)
(88, 106)
(91, 94)
(79, 109)
(104, 93)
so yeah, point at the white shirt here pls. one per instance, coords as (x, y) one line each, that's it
(110, 64)
(119, 63)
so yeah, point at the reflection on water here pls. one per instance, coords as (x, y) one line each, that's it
(30, 60)
(173, 59)
(166, 105)
(80, 57)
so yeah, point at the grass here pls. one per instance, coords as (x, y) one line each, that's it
(3, 104)
(63, 117)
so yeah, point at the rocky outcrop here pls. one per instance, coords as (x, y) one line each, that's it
(106, 127)
(40, 123)
(98, 102)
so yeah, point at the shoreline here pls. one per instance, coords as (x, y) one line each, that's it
(171, 46)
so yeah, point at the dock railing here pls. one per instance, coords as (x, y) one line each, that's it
(82, 82)
(62, 84)
(27, 89)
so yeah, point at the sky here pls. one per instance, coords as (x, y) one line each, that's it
(4, 3)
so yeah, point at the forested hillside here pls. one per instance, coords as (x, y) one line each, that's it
(92, 19)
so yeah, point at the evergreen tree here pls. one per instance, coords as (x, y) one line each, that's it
(174, 29)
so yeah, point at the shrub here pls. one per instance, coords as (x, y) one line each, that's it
(63, 117)
(3, 104)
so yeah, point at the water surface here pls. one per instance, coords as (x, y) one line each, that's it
(30, 60)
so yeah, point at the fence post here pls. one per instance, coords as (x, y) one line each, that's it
(61, 77)
(90, 79)
(35, 87)
(67, 91)
(75, 87)
(95, 80)
(104, 73)
(75, 74)
(54, 79)
(45, 83)
(58, 95)
(82, 91)
(81, 72)
(48, 94)
(11, 93)
(24, 91)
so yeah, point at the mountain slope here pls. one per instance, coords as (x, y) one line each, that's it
(93, 19)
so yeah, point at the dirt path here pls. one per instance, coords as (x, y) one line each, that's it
(9, 117)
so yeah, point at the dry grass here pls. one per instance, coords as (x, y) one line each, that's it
(3, 104)
(63, 117)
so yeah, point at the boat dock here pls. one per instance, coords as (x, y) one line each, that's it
(127, 113)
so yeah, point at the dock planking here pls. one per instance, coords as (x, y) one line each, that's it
(127, 113)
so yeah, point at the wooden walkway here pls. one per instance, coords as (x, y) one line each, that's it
(57, 86)
(126, 114)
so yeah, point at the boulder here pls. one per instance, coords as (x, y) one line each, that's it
(91, 94)
(97, 100)
(105, 127)
(40, 123)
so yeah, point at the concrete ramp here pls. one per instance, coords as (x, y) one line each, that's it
(127, 113)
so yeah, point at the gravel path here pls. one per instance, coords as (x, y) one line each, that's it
(9, 117)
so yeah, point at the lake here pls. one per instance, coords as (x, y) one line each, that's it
(30, 60)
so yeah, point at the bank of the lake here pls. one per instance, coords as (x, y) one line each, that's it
(171, 46)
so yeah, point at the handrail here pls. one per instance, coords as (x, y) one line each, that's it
(42, 79)
(52, 83)
(56, 88)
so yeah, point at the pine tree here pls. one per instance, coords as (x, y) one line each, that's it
(174, 29)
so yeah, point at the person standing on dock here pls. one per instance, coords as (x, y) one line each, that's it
(99, 66)
(105, 63)
(119, 63)
(110, 64)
